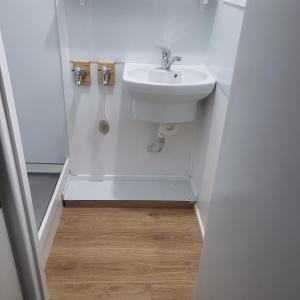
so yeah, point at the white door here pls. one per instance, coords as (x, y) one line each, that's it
(252, 243)
(9, 282)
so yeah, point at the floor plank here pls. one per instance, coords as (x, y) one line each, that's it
(172, 291)
(110, 250)
(96, 291)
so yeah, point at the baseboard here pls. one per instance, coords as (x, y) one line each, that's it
(52, 217)
(129, 188)
(138, 177)
(44, 168)
(129, 204)
(199, 219)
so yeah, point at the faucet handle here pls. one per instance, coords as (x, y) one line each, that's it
(166, 51)
(162, 47)
(104, 69)
(105, 75)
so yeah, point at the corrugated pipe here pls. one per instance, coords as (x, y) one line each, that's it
(163, 131)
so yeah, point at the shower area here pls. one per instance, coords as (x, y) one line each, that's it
(39, 97)
(44, 144)
(42, 182)
(45, 152)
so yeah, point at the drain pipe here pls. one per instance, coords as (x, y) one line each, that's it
(165, 129)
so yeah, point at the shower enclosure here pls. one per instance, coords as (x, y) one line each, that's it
(35, 71)
(42, 184)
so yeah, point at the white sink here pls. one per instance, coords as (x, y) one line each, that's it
(166, 96)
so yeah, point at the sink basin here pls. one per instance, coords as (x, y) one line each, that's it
(166, 96)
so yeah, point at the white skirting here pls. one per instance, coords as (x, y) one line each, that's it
(199, 219)
(129, 188)
(44, 168)
(52, 217)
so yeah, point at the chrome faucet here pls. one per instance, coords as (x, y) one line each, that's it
(167, 59)
(106, 71)
(79, 74)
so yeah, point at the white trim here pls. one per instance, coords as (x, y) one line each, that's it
(52, 217)
(194, 142)
(111, 187)
(65, 65)
(194, 189)
(239, 3)
(127, 177)
(200, 222)
(44, 168)
(66, 184)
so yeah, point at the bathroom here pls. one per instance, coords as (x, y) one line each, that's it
(116, 146)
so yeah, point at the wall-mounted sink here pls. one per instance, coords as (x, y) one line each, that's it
(162, 96)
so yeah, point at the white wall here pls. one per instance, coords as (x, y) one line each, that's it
(123, 151)
(224, 42)
(126, 31)
(30, 38)
(220, 61)
(252, 244)
(206, 148)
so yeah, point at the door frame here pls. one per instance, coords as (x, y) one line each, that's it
(18, 208)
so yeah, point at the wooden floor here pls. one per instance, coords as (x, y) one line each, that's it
(124, 254)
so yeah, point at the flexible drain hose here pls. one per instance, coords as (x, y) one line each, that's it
(163, 131)
(158, 145)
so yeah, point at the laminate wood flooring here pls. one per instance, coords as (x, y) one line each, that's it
(124, 254)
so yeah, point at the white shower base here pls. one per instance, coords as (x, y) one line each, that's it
(129, 188)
